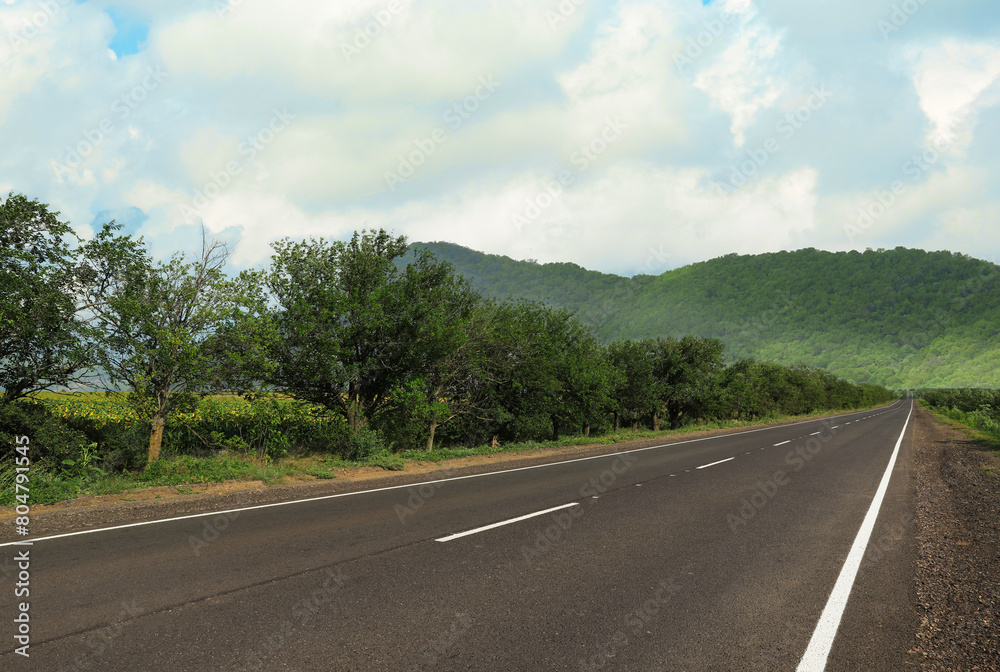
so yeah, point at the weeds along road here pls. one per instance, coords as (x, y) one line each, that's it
(714, 554)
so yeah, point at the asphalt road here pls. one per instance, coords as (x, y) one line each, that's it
(715, 554)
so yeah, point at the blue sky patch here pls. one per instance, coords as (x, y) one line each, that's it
(131, 31)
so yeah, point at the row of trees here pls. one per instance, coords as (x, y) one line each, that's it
(979, 408)
(967, 400)
(408, 349)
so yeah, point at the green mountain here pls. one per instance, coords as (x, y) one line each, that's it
(902, 317)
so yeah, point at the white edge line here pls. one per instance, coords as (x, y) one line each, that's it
(782, 443)
(705, 466)
(506, 522)
(814, 659)
(407, 485)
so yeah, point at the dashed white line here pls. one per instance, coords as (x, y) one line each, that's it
(505, 522)
(783, 443)
(705, 466)
(815, 433)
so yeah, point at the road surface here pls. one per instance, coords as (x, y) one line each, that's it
(713, 554)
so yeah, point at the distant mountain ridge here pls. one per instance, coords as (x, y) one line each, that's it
(902, 317)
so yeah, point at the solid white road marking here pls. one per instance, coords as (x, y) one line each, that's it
(704, 466)
(506, 522)
(814, 659)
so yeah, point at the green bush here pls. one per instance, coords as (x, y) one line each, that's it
(50, 438)
(365, 443)
(124, 447)
(537, 427)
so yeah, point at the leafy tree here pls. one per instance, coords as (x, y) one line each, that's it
(597, 381)
(635, 394)
(686, 373)
(453, 348)
(546, 364)
(354, 326)
(160, 324)
(42, 336)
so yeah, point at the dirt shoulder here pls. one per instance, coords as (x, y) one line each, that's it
(93, 512)
(958, 567)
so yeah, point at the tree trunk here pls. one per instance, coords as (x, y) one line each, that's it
(586, 429)
(635, 425)
(430, 436)
(156, 438)
(617, 421)
(555, 429)
(656, 422)
(355, 418)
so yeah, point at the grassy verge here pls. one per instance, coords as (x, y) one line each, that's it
(48, 487)
(989, 439)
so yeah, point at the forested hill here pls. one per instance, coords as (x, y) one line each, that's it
(902, 317)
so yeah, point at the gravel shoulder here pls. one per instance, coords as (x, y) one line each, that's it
(958, 566)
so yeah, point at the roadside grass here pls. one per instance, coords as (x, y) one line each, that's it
(48, 486)
(987, 438)
(983, 437)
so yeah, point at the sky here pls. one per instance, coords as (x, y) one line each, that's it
(627, 137)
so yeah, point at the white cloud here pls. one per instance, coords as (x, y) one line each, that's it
(610, 221)
(321, 48)
(28, 49)
(743, 79)
(953, 81)
(629, 75)
(615, 219)
(855, 221)
(559, 87)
